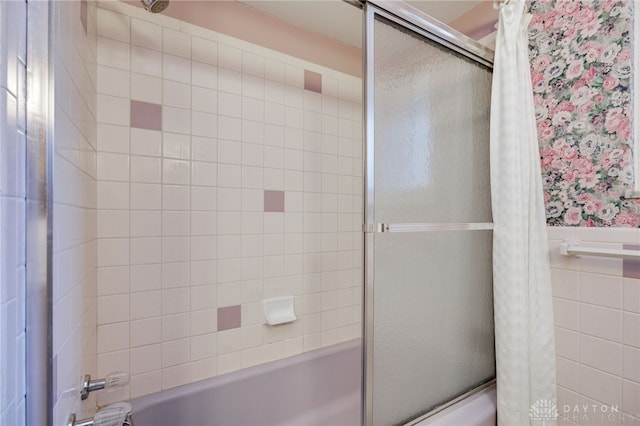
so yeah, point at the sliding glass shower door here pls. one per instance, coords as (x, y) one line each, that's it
(429, 317)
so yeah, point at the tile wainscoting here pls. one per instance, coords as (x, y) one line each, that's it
(597, 318)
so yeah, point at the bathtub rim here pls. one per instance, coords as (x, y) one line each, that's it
(146, 401)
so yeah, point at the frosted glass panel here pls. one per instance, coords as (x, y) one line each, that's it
(433, 320)
(432, 291)
(431, 132)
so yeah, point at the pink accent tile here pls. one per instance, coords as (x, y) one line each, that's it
(229, 317)
(83, 14)
(145, 115)
(630, 267)
(312, 81)
(274, 201)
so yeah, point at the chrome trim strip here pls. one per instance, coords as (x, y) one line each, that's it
(39, 208)
(433, 29)
(427, 227)
(486, 385)
(369, 195)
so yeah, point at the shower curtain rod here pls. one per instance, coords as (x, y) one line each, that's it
(570, 248)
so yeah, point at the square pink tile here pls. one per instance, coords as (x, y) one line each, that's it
(312, 81)
(273, 201)
(229, 317)
(145, 115)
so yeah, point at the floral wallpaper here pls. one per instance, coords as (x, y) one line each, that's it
(580, 54)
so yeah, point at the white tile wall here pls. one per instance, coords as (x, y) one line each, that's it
(597, 330)
(181, 219)
(12, 212)
(76, 170)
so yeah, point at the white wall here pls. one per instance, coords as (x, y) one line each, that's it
(12, 212)
(75, 202)
(188, 245)
(597, 317)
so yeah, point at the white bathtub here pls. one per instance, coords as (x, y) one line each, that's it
(319, 388)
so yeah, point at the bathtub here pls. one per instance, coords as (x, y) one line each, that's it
(317, 388)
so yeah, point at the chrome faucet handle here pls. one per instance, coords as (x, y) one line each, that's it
(116, 379)
(109, 416)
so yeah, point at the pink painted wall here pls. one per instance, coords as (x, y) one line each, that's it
(477, 22)
(265, 30)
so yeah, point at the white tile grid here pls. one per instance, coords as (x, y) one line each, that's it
(597, 328)
(197, 189)
(75, 204)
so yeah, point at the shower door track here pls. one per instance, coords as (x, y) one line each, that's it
(454, 401)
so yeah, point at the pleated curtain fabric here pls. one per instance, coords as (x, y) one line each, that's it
(525, 348)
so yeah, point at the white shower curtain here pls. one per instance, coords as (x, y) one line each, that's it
(525, 352)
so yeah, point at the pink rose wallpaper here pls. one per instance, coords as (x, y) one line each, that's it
(580, 54)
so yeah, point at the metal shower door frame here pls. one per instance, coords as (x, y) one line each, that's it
(418, 22)
(39, 215)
